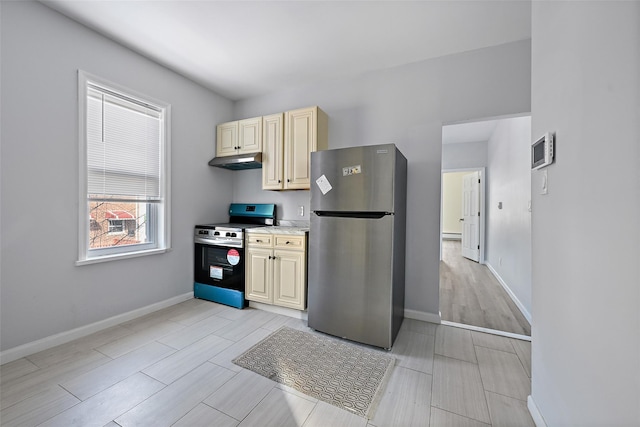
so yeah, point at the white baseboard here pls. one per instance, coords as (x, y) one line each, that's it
(487, 330)
(422, 315)
(296, 314)
(452, 236)
(64, 337)
(535, 412)
(515, 299)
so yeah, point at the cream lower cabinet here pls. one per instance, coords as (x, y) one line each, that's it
(276, 270)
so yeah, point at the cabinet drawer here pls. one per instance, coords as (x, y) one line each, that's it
(290, 242)
(260, 240)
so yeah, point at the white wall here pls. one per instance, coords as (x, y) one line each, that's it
(464, 155)
(452, 202)
(287, 202)
(508, 233)
(42, 291)
(407, 106)
(586, 272)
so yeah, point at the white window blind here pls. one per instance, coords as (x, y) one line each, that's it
(123, 147)
(124, 156)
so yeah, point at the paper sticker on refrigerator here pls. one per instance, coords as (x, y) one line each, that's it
(323, 184)
(351, 170)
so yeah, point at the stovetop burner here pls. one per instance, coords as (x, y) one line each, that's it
(229, 225)
(241, 217)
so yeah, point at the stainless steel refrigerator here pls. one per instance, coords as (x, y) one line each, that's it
(357, 243)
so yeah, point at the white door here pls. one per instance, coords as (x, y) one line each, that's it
(471, 216)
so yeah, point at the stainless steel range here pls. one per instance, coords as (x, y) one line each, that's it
(219, 253)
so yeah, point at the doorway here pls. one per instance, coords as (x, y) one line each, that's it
(485, 276)
(462, 210)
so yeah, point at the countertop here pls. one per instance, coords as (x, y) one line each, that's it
(278, 230)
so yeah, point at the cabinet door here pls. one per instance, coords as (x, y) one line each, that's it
(250, 135)
(289, 279)
(272, 147)
(300, 141)
(226, 139)
(259, 275)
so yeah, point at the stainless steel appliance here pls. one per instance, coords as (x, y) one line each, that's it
(357, 243)
(219, 253)
(238, 162)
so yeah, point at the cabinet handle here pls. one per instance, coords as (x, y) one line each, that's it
(279, 181)
(287, 242)
(258, 241)
(288, 180)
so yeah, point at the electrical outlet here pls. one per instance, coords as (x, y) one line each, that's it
(301, 210)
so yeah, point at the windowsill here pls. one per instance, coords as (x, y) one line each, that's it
(121, 256)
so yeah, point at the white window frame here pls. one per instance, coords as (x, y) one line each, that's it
(111, 225)
(162, 231)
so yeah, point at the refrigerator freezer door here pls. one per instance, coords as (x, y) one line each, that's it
(351, 277)
(353, 179)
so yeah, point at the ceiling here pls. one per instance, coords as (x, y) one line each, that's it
(242, 49)
(479, 131)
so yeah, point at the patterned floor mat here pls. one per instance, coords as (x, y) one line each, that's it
(346, 375)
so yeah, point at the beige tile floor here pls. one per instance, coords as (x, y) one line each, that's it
(173, 367)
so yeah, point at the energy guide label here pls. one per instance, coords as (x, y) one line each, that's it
(233, 256)
(215, 272)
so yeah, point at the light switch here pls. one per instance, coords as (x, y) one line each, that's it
(544, 186)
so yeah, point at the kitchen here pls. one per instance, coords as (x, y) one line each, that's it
(43, 296)
(358, 218)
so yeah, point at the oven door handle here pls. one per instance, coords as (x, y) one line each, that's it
(222, 242)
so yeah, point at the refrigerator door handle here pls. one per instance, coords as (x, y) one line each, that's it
(353, 214)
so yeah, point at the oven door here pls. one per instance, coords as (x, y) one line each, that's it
(219, 266)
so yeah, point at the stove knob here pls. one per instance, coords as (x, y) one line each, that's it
(216, 233)
(234, 235)
(228, 234)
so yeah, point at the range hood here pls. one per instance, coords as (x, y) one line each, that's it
(238, 162)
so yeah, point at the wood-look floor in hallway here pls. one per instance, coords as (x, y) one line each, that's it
(471, 295)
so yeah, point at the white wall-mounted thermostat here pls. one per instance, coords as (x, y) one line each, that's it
(542, 151)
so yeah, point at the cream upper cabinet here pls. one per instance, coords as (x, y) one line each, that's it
(306, 131)
(226, 139)
(272, 151)
(250, 135)
(276, 270)
(239, 137)
(287, 153)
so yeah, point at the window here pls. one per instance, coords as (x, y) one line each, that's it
(124, 146)
(116, 225)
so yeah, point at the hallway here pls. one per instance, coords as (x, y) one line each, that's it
(471, 295)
